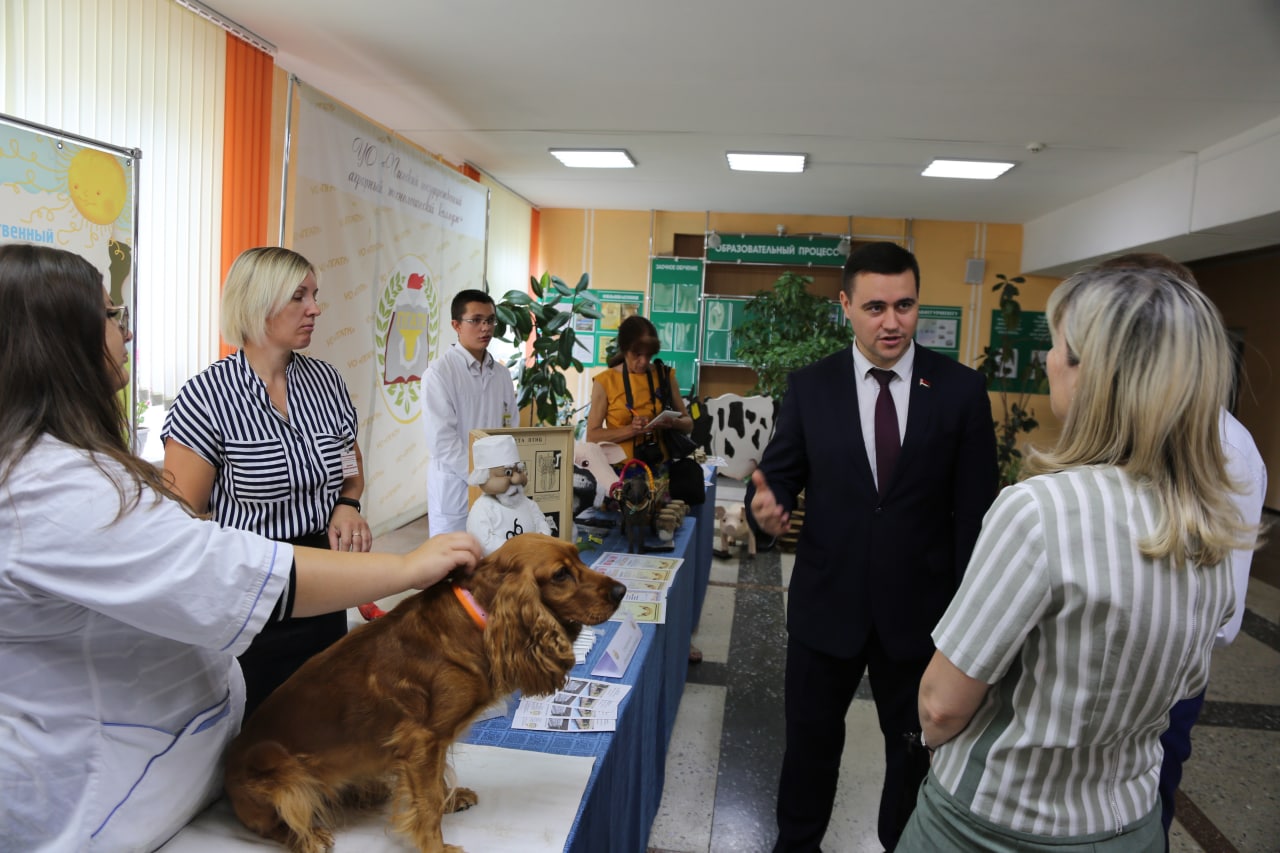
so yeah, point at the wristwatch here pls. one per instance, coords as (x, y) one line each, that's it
(351, 502)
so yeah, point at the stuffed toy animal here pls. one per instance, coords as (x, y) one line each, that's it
(637, 512)
(734, 531)
(597, 461)
(585, 488)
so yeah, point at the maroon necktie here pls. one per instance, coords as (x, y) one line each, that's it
(887, 441)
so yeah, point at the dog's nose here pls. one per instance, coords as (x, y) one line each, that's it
(616, 592)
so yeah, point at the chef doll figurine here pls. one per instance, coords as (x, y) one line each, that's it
(503, 510)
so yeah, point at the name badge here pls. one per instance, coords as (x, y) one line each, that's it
(349, 466)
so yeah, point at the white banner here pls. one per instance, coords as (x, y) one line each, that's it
(394, 235)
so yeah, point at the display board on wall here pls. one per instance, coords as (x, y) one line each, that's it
(615, 306)
(67, 192)
(675, 290)
(547, 454)
(939, 329)
(1030, 342)
(721, 316)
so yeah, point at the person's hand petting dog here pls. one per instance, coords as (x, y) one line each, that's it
(348, 531)
(431, 561)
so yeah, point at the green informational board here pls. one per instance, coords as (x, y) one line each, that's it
(939, 329)
(675, 292)
(1030, 341)
(721, 316)
(594, 336)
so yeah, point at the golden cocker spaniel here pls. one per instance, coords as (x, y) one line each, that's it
(375, 713)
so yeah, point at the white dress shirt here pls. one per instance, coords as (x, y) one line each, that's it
(1246, 468)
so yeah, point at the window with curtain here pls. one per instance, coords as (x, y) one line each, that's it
(145, 74)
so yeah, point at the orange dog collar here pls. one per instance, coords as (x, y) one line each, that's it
(473, 608)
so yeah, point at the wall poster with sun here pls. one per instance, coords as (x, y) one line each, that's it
(61, 190)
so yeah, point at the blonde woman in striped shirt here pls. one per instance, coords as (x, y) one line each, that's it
(1094, 593)
(265, 440)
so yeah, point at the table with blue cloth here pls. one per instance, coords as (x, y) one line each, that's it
(625, 786)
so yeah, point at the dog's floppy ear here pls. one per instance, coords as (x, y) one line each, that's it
(527, 648)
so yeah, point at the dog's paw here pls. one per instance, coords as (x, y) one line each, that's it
(460, 800)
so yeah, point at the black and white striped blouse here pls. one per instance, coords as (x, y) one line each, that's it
(276, 477)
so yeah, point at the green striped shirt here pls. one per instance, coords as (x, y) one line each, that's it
(1087, 645)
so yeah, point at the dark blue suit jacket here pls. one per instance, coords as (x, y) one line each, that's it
(862, 562)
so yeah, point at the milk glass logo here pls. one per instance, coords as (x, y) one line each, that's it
(406, 331)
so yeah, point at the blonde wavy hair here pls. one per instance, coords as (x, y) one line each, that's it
(260, 282)
(1154, 369)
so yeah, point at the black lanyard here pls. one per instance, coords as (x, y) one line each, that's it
(654, 400)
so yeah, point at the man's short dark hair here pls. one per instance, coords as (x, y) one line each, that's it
(884, 258)
(465, 298)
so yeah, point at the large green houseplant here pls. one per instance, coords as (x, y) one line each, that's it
(546, 314)
(787, 328)
(1014, 416)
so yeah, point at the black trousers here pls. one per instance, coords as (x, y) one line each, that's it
(819, 690)
(282, 647)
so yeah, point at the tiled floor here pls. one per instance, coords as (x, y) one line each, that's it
(724, 756)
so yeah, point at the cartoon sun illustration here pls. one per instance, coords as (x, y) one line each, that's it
(97, 185)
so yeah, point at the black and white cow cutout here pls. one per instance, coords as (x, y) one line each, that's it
(740, 429)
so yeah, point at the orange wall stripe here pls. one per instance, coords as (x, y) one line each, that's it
(246, 152)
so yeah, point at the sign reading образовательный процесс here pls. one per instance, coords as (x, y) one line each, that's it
(817, 251)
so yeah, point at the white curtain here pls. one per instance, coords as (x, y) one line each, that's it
(145, 74)
(510, 228)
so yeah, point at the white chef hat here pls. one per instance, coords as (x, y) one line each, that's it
(492, 451)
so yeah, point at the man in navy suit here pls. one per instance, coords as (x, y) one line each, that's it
(888, 530)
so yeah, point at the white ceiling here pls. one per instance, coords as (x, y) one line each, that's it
(871, 90)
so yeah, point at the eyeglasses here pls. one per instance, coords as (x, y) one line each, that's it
(483, 322)
(120, 314)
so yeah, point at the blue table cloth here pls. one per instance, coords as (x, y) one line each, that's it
(625, 787)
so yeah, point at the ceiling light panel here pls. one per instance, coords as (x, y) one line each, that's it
(594, 158)
(973, 170)
(744, 161)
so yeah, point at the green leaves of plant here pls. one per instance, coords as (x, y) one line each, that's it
(548, 317)
(787, 328)
(1015, 417)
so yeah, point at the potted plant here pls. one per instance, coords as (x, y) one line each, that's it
(1014, 416)
(547, 315)
(785, 329)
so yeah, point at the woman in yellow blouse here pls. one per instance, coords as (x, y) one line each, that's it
(627, 423)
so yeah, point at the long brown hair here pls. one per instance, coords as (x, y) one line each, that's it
(55, 378)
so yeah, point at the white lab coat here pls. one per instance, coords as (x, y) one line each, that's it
(119, 688)
(459, 394)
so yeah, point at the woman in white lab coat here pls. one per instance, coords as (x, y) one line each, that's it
(120, 614)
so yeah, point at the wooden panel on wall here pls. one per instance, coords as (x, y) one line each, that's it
(748, 279)
(716, 380)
